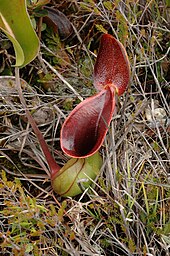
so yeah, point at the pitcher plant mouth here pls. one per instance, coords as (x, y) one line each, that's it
(84, 130)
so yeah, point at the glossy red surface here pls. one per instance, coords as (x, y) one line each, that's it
(84, 130)
(112, 65)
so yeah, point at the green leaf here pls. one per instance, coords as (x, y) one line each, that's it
(101, 28)
(108, 5)
(168, 3)
(16, 24)
(41, 3)
(29, 248)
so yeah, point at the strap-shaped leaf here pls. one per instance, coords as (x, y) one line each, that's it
(16, 24)
(112, 65)
(84, 130)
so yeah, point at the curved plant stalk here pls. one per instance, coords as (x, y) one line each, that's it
(54, 167)
(84, 129)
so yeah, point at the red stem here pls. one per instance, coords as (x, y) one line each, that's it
(54, 167)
